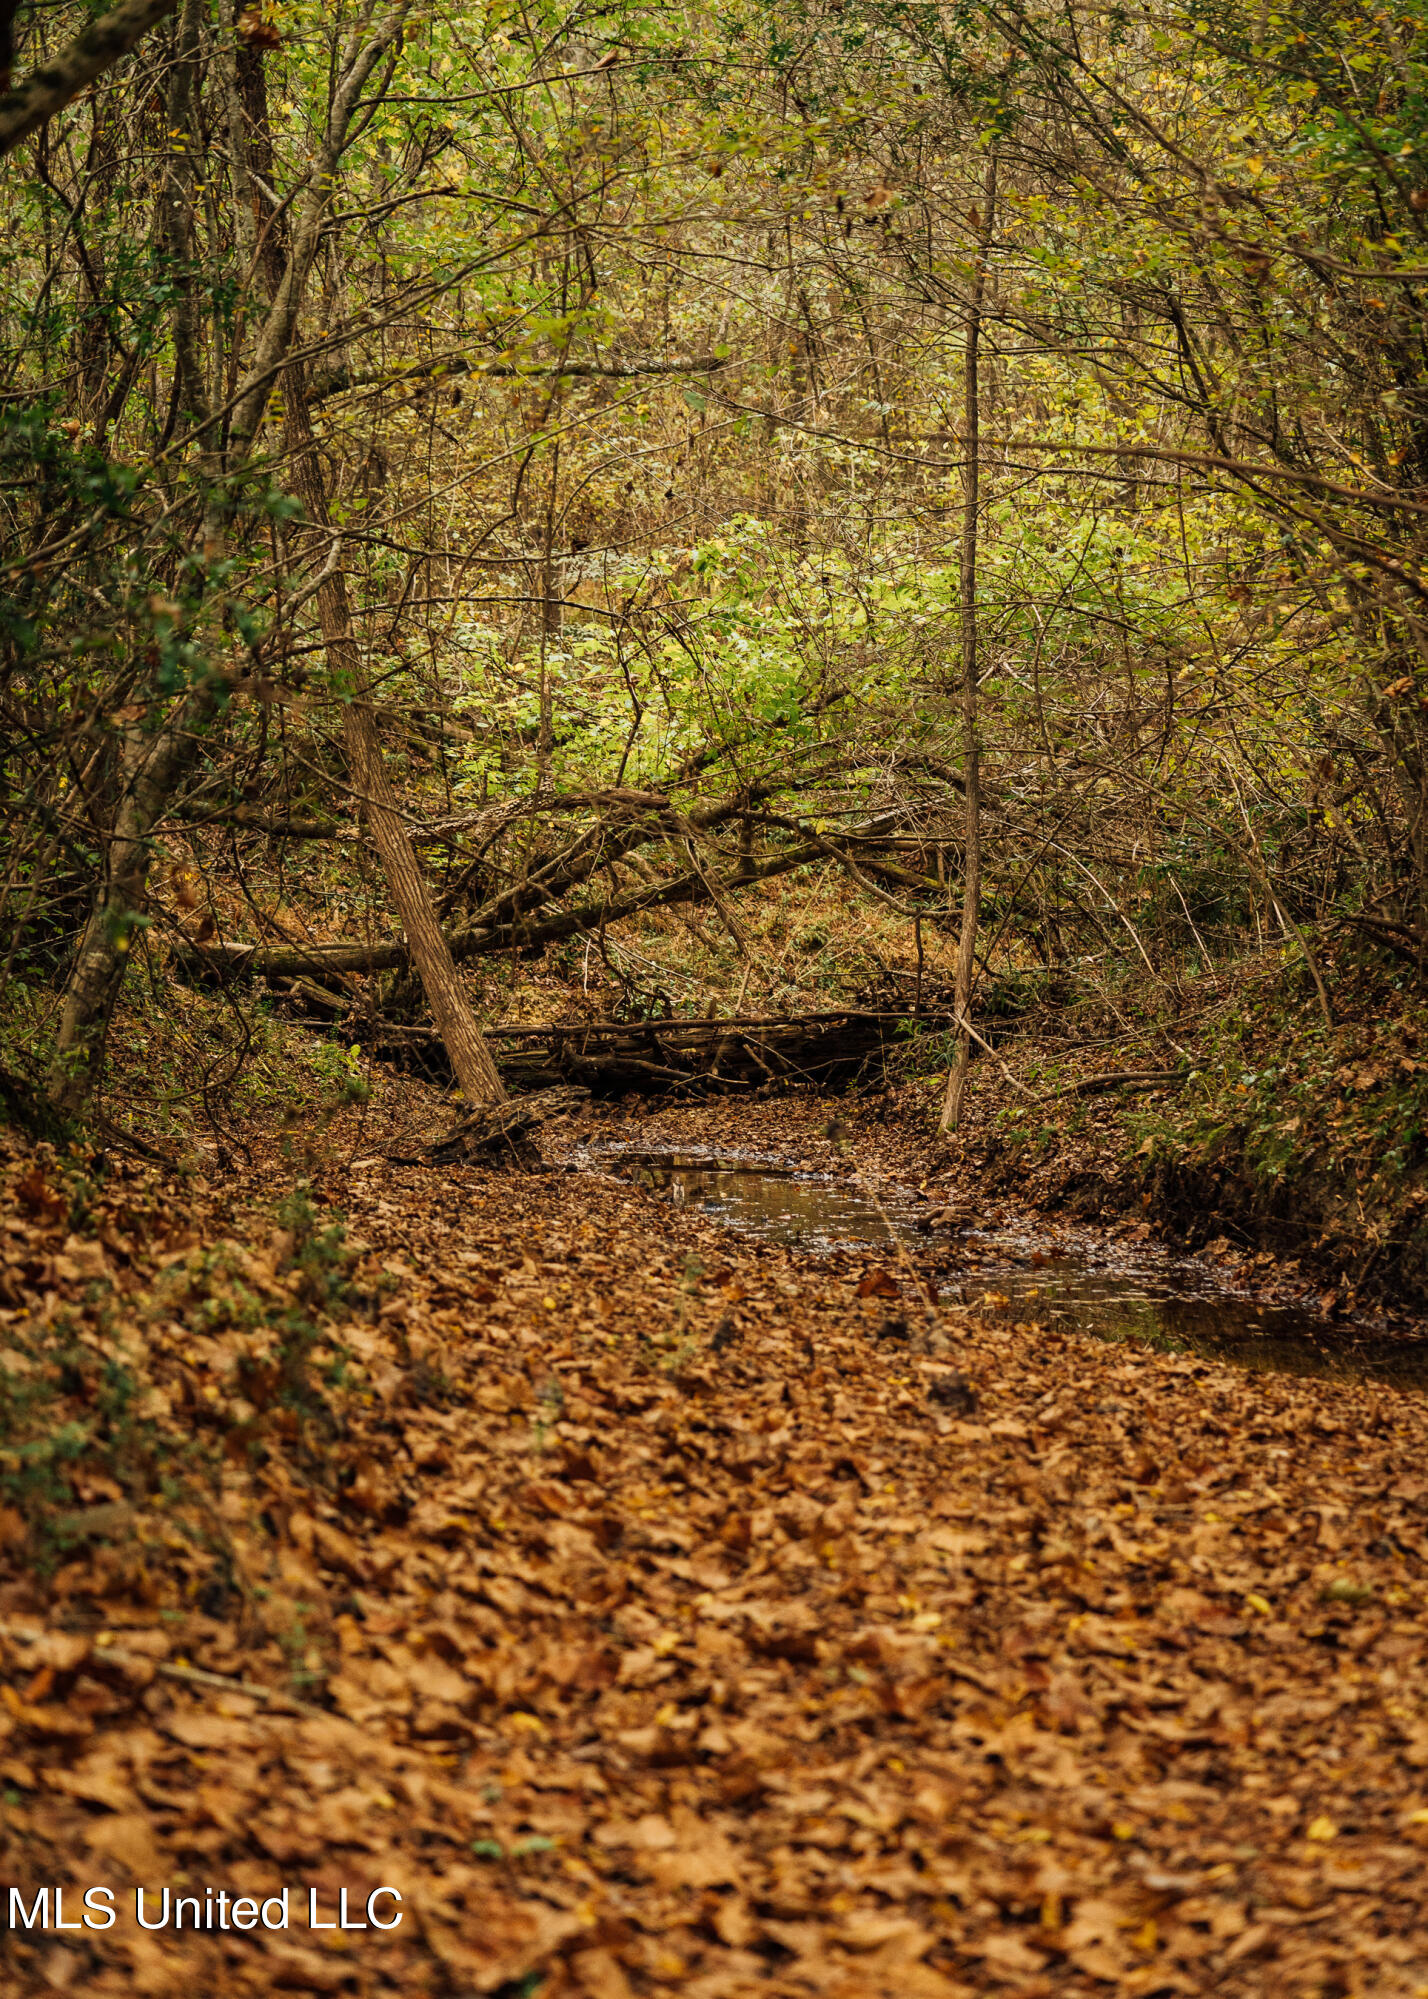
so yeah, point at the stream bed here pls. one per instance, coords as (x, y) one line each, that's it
(1068, 1276)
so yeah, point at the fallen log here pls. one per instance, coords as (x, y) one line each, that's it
(687, 1057)
(498, 928)
(497, 1133)
(715, 1056)
(1119, 1079)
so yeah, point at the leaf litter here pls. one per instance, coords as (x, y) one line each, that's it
(631, 1599)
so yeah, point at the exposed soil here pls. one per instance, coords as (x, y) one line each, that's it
(675, 1613)
(1236, 1122)
(977, 1179)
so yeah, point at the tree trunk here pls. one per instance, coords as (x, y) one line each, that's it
(972, 874)
(430, 952)
(150, 768)
(101, 43)
(153, 761)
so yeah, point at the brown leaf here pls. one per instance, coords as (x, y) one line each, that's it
(128, 1840)
(38, 1198)
(650, 1834)
(336, 1550)
(56, 1723)
(257, 30)
(100, 1779)
(599, 1973)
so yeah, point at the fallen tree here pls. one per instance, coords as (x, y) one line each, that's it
(238, 960)
(367, 772)
(825, 1050)
(498, 1134)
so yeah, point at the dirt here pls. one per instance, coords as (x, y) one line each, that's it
(673, 1613)
(890, 1142)
(1274, 1140)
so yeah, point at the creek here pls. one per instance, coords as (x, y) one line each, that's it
(1067, 1276)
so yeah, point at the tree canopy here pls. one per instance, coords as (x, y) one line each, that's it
(586, 398)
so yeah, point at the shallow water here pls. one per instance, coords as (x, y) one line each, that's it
(1072, 1278)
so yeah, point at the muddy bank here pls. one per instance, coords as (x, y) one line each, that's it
(1241, 1124)
(830, 1176)
(1206, 1193)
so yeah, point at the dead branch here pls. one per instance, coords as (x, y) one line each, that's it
(1117, 1079)
(498, 1130)
(236, 960)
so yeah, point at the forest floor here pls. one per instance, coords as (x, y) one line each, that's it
(660, 1611)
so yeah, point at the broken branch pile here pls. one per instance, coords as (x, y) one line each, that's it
(608, 1057)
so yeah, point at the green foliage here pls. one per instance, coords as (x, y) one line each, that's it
(70, 1410)
(1294, 1101)
(341, 1071)
(636, 355)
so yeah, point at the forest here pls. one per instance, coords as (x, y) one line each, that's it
(713, 1022)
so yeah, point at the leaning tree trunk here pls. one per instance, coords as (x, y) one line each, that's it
(150, 768)
(972, 872)
(450, 1010)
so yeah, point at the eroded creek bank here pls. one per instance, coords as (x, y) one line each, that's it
(803, 1175)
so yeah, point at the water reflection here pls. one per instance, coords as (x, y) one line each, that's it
(1071, 1278)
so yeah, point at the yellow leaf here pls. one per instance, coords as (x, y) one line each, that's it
(1323, 1829)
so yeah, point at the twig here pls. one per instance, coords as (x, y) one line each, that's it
(193, 1676)
(1111, 1080)
(130, 1141)
(1115, 1079)
(1015, 1083)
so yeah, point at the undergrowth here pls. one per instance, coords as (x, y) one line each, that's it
(1316, 1134)
(132, 1393)
(1295, 1134)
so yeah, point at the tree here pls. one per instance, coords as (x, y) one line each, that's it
(160, 743)
(57, 82)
